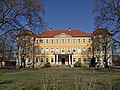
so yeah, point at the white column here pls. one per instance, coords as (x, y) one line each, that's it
(72, 59)
(69, 60)
(56, 59)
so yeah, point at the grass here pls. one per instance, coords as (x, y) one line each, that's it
(60, 79)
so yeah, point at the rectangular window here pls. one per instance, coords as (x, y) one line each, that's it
(74, 50)
(36, 50)
(68, 40)
(52, 50)
(46, 40)
(62, 40)
(73, 40)
(57, 41)
(52, 41)
(68, 50)
(57, 50)
(89, 49)
(78, 40)
(74, 59)
(42, 50)
(47, 50)
(63, 50)
(79, 59)
(36, 41)
(79, 50)
(52, 60)
(84, 60)
(83, 40)
(42, 41)
(89, 40)
(46, 60)
(36, 59)
(84, 49)
(89, 60)
(42, 60)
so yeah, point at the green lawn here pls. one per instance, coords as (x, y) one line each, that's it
(60, 79)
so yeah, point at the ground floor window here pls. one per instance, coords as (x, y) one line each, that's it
(84, 60)
(42, 60)
(52, 60)
(36, 59)
(46, 59)
(74, 59)
(79, 59)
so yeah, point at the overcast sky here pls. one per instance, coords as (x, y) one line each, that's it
(74, 14)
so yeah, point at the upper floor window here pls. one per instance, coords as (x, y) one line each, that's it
(62, 40)
(89, 40)
(36, 41)
(36, 50)
(74, 50)
(52, 50)
(73, 40)
(68, 50)
(68, 40)
(42, 59)
(57, 41)
(79, 50)
(78, 40)
(89, 49)
(47, 50)
(42, 41)
(84, 49)
(83, 40)
(63, 50)
(42, 50)
(46, 40)
(52, 41)
(57, 50)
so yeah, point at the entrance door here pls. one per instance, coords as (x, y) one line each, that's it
(63, 61)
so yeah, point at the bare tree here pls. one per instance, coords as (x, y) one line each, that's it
(108, 16)
(102, 44)
(18, 14)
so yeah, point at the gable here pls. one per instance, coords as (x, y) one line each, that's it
(63, 35)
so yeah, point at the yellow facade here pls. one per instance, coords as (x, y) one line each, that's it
(59, 47)
(63, 49)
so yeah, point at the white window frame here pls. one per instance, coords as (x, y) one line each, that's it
(78, 40)
(68, 40)
(52, 41)
(68, 50)
(74, 49)
(46, 40)
(57, 50)
(73, 41)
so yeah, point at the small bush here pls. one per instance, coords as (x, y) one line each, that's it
(47, 64)
(77, 64)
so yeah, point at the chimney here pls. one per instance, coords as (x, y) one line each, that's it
(69, 29)
(50, 29)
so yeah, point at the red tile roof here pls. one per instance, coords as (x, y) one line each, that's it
(52, 33)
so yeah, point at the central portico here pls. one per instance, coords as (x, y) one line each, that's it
(63, 59)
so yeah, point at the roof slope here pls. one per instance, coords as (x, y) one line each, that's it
(52, 33)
